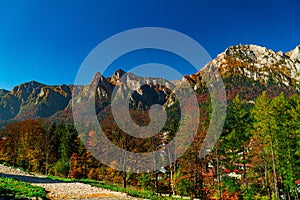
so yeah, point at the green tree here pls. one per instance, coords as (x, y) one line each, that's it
(68, 145)
(292, 146)
(275, 129)
(51, 145)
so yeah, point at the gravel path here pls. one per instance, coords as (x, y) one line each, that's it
(64, 190)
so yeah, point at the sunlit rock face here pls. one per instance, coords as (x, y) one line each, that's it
(257, 64)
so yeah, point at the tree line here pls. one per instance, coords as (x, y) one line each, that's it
(256, 157)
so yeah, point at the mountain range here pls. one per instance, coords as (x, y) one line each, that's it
(246, 69)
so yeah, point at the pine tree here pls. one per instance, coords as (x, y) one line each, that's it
(236, 137)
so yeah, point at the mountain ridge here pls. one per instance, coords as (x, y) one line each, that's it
(256, 63)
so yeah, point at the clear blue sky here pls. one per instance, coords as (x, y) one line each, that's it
(47, 41)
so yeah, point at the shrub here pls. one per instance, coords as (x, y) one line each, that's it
(60, 168)
(76, 173)
(94, 173)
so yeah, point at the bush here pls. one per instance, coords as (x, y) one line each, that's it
(184, 187)
(94, 173)
(145, 182)
(76, 173)
(60, 168)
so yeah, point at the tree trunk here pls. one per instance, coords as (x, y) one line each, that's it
(171, 179)
(47, 162)
(156, 182)
(274, 173)
(266, 182)
(244, 170)
(124, 180)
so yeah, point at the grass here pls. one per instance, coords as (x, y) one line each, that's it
(13, 188)
(131, 192)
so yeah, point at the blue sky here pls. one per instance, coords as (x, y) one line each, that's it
(47, 41)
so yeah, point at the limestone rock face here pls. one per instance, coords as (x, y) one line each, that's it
(256, 63)
(294, 54)
(33, 100)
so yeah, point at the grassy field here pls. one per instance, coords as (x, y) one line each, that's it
(12, 188)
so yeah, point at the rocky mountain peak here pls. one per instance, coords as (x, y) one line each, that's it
(3, 92)
(258, 63)
(294, 54)
(98, 77)
(33, 99)
(253, 63)
(32, 84)
(24, 90)
(117, 76)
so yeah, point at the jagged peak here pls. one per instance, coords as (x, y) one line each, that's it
(258, 63)
(294, 54)
(119, 73)
(98, 76)
(3, 92)
(116, 77)
(256, 49)
(253, 52)
(32, 84)
(27, 85)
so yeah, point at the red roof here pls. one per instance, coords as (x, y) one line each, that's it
(297, 181)
(237, 171)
